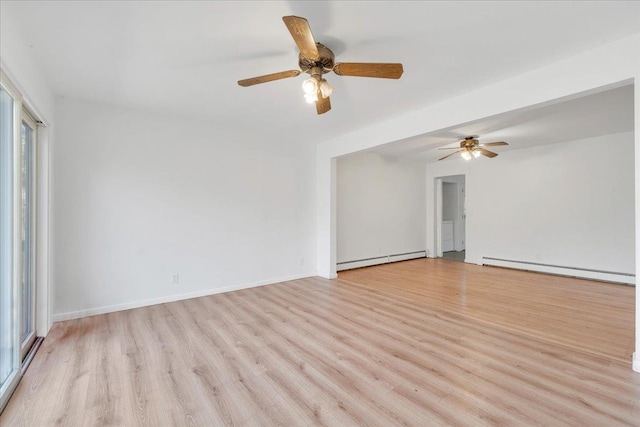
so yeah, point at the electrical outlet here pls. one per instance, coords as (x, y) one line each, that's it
(175, 279)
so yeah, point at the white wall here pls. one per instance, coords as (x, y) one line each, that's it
(19, 65)
(380, 208)
(569, 204)
(141, 197)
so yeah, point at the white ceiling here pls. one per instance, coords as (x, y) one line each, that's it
(185, 57)
(603, 113)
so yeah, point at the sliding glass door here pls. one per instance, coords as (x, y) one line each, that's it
(27, 233)
(9, 343)
(17, 237)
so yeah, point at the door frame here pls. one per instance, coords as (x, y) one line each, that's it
(16, 259)
(438, 212)
(25, 344)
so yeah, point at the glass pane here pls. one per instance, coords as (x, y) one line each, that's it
(27, 288)
(7, 340)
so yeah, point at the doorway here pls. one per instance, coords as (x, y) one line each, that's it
(451, 217)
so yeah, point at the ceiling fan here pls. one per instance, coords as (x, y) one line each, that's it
(470, 147)
(316, 60)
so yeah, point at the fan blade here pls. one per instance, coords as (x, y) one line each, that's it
(301, 33)
(450, 155)
(450, 148)
(369, 69)
(268, 78)
(323, 104)
(493, 144)
(488, 153)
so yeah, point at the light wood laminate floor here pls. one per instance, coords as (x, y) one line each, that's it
(594, 316)
(424, 342)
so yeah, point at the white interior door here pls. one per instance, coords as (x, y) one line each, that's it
(438, 217)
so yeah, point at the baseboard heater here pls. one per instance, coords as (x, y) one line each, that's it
(586, 273)
(385, 259)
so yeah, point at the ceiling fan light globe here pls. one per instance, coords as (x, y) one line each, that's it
(310, 86)
(476, 153)
(311, 97)
(466, 155)
(325, 89)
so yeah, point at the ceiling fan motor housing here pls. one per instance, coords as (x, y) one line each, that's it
(469, 143)
(322, 65)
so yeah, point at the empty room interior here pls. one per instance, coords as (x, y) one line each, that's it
(209, 216)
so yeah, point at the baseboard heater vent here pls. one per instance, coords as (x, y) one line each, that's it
(587, 273)
(385, 259)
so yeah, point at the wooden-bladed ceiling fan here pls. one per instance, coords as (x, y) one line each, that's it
(316, 60)
(470, 147)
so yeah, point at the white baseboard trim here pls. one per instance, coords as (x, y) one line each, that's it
(636, 362)
(386, 259)
(59, 317)
(562, 271)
